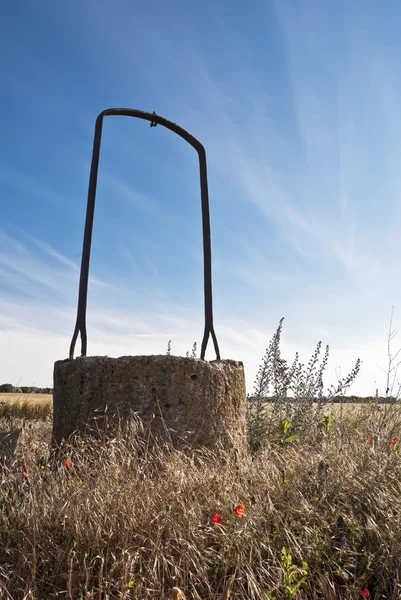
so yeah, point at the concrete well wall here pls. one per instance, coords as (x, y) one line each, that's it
(188, 401)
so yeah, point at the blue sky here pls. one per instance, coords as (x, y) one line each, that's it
(297, 105)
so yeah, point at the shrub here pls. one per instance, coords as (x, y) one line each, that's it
(290, 393)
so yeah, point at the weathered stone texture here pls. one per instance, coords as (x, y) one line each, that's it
(200, 403)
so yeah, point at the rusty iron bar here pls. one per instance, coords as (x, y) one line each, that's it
(80, 326)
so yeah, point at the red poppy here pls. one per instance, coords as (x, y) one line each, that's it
(217, 519)
(365, 593)
(239, 510)
(393, 441)
(370, 442)
(24, 475)
(68, 463)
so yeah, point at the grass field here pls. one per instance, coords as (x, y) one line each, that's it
(26, 406)
(322, 518)
(48, 398)
(40, 406)
(33, 398)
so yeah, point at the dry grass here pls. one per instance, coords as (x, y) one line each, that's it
(336, 407)
(126, 522)
(32, 398)
(26, 406)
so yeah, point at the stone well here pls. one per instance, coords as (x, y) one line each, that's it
(186, 400)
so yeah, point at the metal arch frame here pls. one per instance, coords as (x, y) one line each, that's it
(80, 326)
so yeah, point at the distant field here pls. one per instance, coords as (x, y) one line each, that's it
(48, 399)
(19, 398)
(347, 407)
(355, 406)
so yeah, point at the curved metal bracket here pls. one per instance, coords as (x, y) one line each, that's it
(80, 326)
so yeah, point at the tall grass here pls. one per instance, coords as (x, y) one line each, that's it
(125, 519)
(25, 410)
(125, 522)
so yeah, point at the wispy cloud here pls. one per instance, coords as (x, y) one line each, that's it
(302, 138)
(19, 259)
